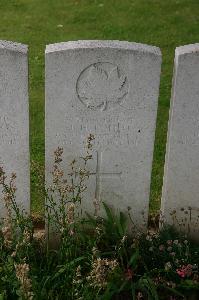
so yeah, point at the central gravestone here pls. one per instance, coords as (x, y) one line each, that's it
(108, 89)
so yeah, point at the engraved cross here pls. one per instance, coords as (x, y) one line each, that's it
(99, 174)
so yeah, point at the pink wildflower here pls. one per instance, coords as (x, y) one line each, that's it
(185, 271)
(181, 272)
(161, 247)
(129, 274)
(169, 242)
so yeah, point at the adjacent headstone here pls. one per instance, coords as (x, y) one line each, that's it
(180, 198)
(14, 118)
(109, 89)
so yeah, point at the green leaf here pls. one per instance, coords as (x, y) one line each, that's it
(133, 290)
(68, 266)
(122, 286)
(45, 282)
(90, 219)
(109, 214)
(189, 284)
(134, 259)
(2, 297)
(174, 291)
(147, 284)
(123, 221)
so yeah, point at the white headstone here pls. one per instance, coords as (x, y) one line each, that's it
(14, 118)
(180, 198)
(109, 89)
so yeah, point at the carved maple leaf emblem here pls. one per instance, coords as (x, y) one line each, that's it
(102, 88)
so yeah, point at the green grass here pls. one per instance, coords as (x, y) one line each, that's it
(164, 23)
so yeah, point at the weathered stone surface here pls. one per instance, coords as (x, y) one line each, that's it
(109, 89)
(180, 198)
(14, 118)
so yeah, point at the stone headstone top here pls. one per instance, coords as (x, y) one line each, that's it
(187, 49)
(89, 44)
(12, 46)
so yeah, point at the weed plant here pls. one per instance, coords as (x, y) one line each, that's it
(95, 257)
